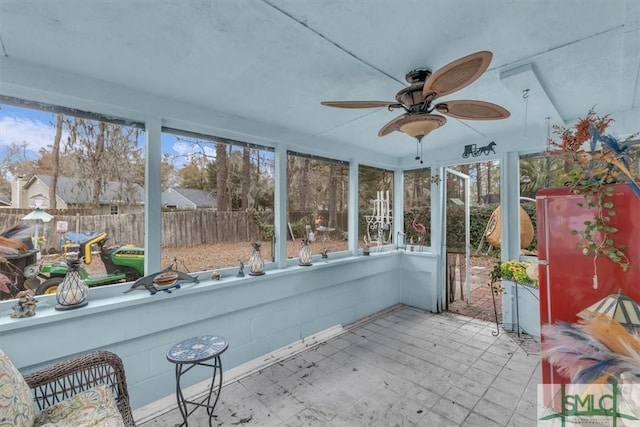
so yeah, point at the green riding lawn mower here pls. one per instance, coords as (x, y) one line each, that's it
(122, 264)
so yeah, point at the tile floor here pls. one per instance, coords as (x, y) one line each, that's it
(405, 367)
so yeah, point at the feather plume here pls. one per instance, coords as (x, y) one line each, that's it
(616, 154)
(592, 351)
(11, 246)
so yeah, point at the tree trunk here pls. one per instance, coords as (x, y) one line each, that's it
(416, 193)
(489, 164)
(55, 162)
(221, 177)
(95, 160)
(478, 183)
(333, 208)
(246, 178)
(304, 185)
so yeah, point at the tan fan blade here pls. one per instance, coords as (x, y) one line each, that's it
(457, 74)
(472, 110)
(392, 125)
(361, 104)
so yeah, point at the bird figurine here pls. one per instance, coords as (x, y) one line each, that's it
(615, 154)
(240, 268)
(419, 228)
(324, 253)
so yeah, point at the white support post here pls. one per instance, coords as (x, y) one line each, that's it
(153, 196)
(280, 206)
(510, 226)
(398, 205)
(354, 167)
(510, 206)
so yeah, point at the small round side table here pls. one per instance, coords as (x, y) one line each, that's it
(197, 351)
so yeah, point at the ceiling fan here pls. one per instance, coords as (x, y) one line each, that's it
(418, 100)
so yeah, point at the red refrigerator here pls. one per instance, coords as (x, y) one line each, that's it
(567, 284)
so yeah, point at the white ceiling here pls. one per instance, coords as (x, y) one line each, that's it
(273, 61)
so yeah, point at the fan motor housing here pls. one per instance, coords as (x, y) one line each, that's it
(418, 75)
(411, 96)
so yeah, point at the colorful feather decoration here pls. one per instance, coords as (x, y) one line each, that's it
(614, 153)
(10, 246)
(592, 351)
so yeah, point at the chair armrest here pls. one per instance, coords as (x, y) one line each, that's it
(69, 377)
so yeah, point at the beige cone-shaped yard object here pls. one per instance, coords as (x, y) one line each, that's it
(492, 231)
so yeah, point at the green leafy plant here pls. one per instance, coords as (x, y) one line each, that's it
(588, 172)
(597, 235)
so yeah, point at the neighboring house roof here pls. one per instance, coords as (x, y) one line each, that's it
(78, 191)
(188, 198)
(5, 200)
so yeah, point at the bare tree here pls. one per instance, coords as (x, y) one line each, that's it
(245, 182)
(478, 167)
(333, 184)
(101, 152)
(304, 184)
(221, 177)
(55, 162)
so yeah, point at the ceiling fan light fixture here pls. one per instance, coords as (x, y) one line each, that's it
(418, 126)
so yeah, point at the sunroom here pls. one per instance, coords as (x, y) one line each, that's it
(252, 75)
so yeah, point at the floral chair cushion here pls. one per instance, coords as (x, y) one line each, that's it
(16, 404)
(95, 407)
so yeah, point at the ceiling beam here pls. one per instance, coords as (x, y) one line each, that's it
(523, 83)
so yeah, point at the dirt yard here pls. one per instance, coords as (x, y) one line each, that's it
(219, 255)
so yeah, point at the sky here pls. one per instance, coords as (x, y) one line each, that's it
(37, 129)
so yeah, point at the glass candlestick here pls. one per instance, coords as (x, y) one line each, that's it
(256, 262)
(72, 291)
(305, 253)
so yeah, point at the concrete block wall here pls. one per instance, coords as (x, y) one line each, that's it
(257, 314)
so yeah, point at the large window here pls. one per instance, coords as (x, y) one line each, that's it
(317, 197)
(417, 206)
(375, 206)
(543, 170)
(217, 198)
(69, 176)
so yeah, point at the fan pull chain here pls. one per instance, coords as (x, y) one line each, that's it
(525, 96)
(419, 150)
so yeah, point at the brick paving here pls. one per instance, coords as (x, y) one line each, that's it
(481, 306)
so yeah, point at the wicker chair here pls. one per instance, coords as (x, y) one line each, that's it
(64, 379)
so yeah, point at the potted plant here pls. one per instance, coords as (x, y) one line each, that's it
(593, 160)
(525, 309)
(521, 272)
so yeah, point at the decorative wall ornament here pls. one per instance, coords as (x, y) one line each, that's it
(474, 151)
(381, 219)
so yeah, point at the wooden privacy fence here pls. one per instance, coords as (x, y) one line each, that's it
(187, 228)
